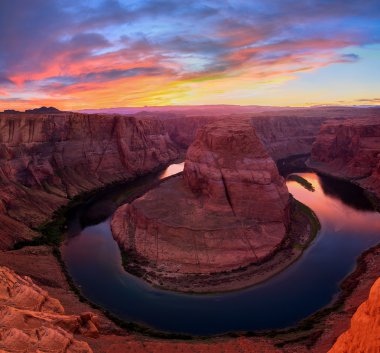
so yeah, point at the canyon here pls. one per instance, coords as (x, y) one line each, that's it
(350, 149)
(230, 209)
(48, 159)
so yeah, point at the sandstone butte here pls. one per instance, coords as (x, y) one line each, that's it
(364, 334)
(229, 209)
(32, 321)
(350, 149)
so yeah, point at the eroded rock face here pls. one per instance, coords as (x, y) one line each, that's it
(228, 210)
(228, 166)
(350, 149)
(364, 333)
(45, 159)
(31, 321)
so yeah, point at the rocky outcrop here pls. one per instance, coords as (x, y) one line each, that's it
(350, 150)
(228, 210)
(46, 159)
(32, 321)
(364, 333)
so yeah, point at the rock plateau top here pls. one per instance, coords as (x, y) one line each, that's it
(230, 208)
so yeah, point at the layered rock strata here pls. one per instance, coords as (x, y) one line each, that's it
(229, 209)
(32, 321)
(351, 150)
(46, 159)
(284, 133)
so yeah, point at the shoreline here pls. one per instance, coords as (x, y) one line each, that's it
(322, 169)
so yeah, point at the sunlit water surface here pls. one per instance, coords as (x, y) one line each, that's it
(349, 226)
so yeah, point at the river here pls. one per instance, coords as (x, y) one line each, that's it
(349, 227)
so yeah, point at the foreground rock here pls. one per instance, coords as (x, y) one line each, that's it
(364, 334)
(31, 321)
(351, 150)
(230, 208)
(46, 159)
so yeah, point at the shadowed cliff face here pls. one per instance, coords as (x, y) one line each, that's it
(350, 149)
(45, 159)
(230, 208)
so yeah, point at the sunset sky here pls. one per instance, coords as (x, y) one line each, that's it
(75, 54)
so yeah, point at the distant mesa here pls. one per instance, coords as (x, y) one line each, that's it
(11, 111)
(42, 110)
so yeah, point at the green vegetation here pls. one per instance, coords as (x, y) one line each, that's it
(306, 184)
(314, 221)
(51, 233)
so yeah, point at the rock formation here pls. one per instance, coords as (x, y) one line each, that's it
(284, 133)
(45, 159)
(32, 321)
(228, 210)
(364, 334)
(350, 149)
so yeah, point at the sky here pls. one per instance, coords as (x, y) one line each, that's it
(75, 54)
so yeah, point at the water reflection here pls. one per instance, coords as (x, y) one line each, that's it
(171, 170)
(348, 193)
(93, 260)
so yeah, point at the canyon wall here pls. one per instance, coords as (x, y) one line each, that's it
(350, 149)
(284, 133)
(230, 208)
(46, 159)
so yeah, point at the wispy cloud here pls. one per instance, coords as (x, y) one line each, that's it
(106, 51)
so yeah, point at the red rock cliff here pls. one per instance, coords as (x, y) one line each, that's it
(350, 149)
(45, 159)
(229, 167)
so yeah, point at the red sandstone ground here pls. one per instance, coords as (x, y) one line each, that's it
(32, 321)
(364, 332)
